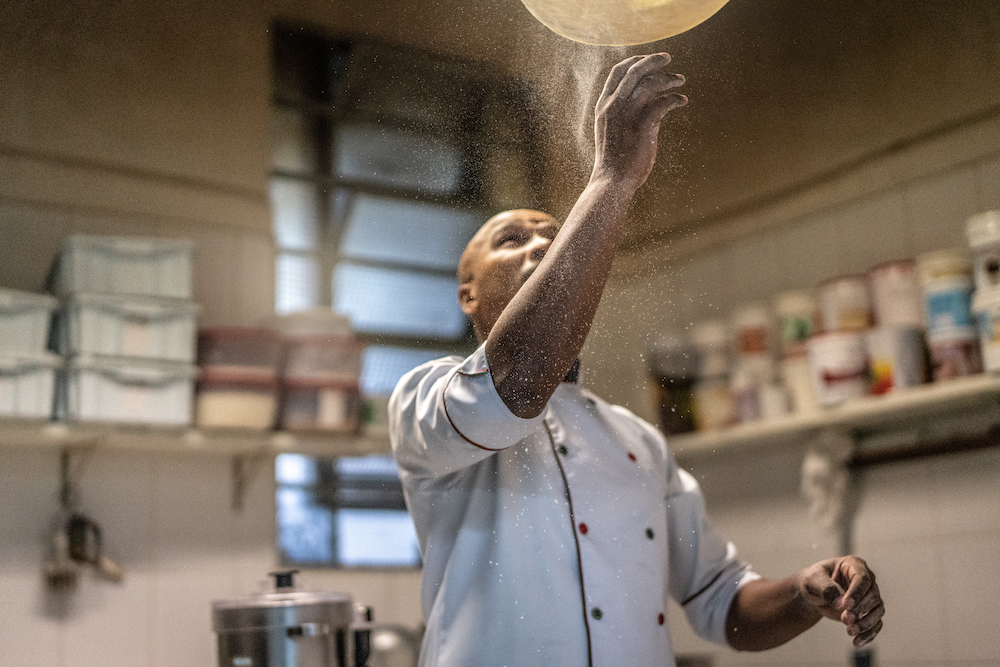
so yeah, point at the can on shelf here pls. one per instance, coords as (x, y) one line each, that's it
(845, 303)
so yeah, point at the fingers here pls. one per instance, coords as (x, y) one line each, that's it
(639, 70)
(618, 73)
(859, 580)
(867, 626)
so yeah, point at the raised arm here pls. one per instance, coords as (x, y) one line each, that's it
(541, 331)
(769, 612)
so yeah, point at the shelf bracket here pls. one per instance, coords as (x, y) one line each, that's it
(245, 468)
(828, 485)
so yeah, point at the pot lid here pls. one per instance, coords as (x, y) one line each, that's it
(286, 605)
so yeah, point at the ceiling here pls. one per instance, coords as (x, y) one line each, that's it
(785, 94)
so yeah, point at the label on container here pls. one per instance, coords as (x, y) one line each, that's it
(950, 307)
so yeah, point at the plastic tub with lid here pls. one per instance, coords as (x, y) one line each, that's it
(27, 385)
(845, 303)
(24, 321)
(983, 233)
(946, 278)
(247, 352)
(896, 297)
(986, 306)
(236, 401)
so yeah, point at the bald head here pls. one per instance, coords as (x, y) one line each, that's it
(498, 260)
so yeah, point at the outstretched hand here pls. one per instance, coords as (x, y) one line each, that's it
(636, 97)
(844, 589)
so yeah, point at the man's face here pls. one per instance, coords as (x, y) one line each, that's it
(498, 260)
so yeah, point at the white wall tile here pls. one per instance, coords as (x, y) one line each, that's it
(988, 175)
(183, 615)
(31, 239)
(938, 207)
(971, 587)
(897, 502)
(909, 578)
(808, 252)
(113, 623)
(966, 490)
(871, 231)
(32, 634)
(194, 524)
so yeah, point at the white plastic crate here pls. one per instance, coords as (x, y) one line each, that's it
(127, 326)
(27, 385)
(24, 322)
(133, 391)
(124, 265)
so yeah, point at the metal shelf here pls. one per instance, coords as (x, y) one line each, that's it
(859, 417)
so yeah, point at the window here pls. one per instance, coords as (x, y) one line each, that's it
(384, 163)
(345, 512)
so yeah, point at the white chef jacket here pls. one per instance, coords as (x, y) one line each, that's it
(553, 540)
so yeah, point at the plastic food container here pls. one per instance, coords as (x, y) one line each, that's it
(896, 357)
(986, 306)
(839, 366)
(24, 322)
(711, 339)
(713, 404)
(311, 405)
(946, 277)
(128, 390)
(673, 365)
(124, 265)
(236, 402)
(896, 297)
(796, 311)
(128, 326)
(796, 375)
(954, 357)
(27, 385)
(845, 303)
(983, 232)
(240, 352)
(753, 326)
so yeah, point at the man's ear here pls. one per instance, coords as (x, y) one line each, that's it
(467, 299)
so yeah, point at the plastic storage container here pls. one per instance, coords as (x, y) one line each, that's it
(986, 307)
(839, 365)
(845, 303)
(896, 297)
(946, 277)
(129, 326)
(124, 265)
(983, 232)
(27, 385)
(128, 390)
(317, 405)
(797, 314)
(328, 359)
(896, 358)
(236, 402)
(24, 322)
(240, 352)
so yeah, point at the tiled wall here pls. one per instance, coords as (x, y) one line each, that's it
(168, 520)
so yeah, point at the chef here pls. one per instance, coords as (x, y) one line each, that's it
(554, 526)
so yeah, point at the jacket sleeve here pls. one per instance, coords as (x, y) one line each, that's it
(446, 415)
(705, 569)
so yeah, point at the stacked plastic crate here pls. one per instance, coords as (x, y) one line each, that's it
(27, 370)
(126, 325)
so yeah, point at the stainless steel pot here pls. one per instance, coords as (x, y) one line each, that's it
(291, 628)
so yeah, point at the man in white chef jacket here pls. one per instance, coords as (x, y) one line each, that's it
(553, 525)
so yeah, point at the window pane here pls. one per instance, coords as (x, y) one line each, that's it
(305, 529)
(295, 283)
(420, 234)
(293, 141)
(294, 469)
(382, 366)
(376, 537)
(386, 156)
(404, 303)
(295, 207)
